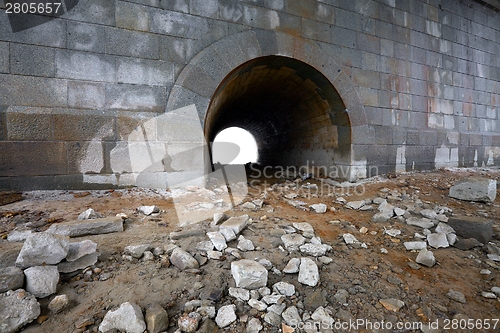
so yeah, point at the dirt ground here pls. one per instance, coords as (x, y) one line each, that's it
(424, 290)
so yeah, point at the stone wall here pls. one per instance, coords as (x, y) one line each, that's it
(92, 98)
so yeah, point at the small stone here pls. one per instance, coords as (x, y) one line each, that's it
(306, 228)
(292, 266)
(474, 189)
(445, 228)
(41, 281)
(428, 213)
(148, 256)
(264, 291)
(485, 272)
(456, 296)
(325, 260)
(320, 315)
(258, 305)
(206, 311)
(254, 326)
(341, 296)
(58, 303)
(128, 317)
(314, 250)
(249, 205)
(249, 274)
(156, 319)
(426, 258)
(237, 224)
(284, 288)
(438, 240)
(423, 222)
(148, 210)
(245, 244)
(319, 208)
(291, 316)
(183, 260)
(137, 251)
(414, 265)
(399, 212)
(273, 299)
(226, 315)
(18, 236)
(411, 246)
(272, 319)
(467, 244)
(392, 304)
(11, 278)
(214, 255)
(17, 308)
(488, 295)
(496, 290)
(218, 240)
(308, 272)
(381, 217)
(349, 239)
(452, 239)
(218, 218)
(205, 246)
(292, 242)
(355, 204)
(266, 263)
(89, 214)
(228, 234)
(240, 294)
(189, 323)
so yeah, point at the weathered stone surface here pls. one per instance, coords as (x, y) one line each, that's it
(11, 278)
(43, 248)
(292, 266)
(308, 272)
(245, 244)
(428, 213)
(249, 274)
(148, 210)
(423, 222)
(18, 236)
(80, 263)
(17, 308)
(59, 303)
(381, 217)
(474, 189)
(321, 316)
(355, 204)
(89, 214)
(217, 239)
(467, 244)
(426, 258)
(88, 227)
(128, 317)
(80, 249)
(284, 288)
(176, 235)
(291, 316)
(456, 296)
(183, 260)
(237, 224)
(445, 228)
(156, 319)
(319, 208)
(438, 240)
(189, 322)
(257, 305)
(472, 227)
(254, 326)
(417, 245)
(392, 304)
(314, 250)
(218, 218)
(137, 251)
(240, 294)
(292, 242)
(41, 281)
(272, 319)
(306, 228)
(226, 315)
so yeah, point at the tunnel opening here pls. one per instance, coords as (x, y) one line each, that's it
(293, 111)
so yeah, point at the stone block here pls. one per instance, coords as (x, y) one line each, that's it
(32, 60)
(176, 5)
(85, 66)
(11, 278)
(86, 95)
(177, 50)
(85, 156)
(132, 43)
(4, 57)
(32, 91)
(79, 228)
(137, 127)
(177, 24)
(249, 274)
(29, 126)
(135, 98)
(17, 309)
(94, 11)
(472, 227)
(42, 248)
(204, 8)
(474, 189)
(132, 17)
(144, 156)
(80, 263)
(86, 37)
(176, 128)
(50, 158)
(51, 33)
(146, 72)
(75, 127)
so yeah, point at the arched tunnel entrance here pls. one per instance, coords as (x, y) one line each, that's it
(295, 114)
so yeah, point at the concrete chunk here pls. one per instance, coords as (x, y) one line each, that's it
(249, 274)
(17, 308)
(308, 272)
(474, 189)
(41, 281)
(128, 317)
(88, 227)
(237, 224)
(43, 248)
(472, 227)
(183, 260)
(11, 278)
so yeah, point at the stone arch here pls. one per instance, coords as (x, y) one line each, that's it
(199, 81)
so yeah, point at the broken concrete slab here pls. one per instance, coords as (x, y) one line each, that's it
(87, 227)
(80, 249)
(237, 224)
(128, 317)
(249, 274)
(11, 278)
(43, 248)
(472, 227)
(438, 240)
(17, 308)
(41, 281)
(474, 189)
(80, 263)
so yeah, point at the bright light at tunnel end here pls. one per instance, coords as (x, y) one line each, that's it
(248, 151)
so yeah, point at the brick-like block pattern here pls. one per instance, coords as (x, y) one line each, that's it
(145, 72)
(86, 37)
(32, 60)
(85, 66)
(132, 43)
(32, 91)
(3, 123)
(32, 158)
(132, 16)
(4, 57)
(69, 127)
(86, 95)
(29, 126)
(135, 98)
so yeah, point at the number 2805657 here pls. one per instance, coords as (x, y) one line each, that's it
(32, 8)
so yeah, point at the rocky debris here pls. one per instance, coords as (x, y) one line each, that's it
(467, 244)
(128, 317)
(218, 218)
(58, 303)
(472, 227)
(355, 204)
(80, 263)
(189, 322)
(18, 236)
(245, 244)
(474, 189)
(257, 305)
(438, 240)
(248, 274)
(308, 272)
(17, 308)
(11, 278)
(488, 295)
(148, 210)
(292, 266)
(415, 246)
(306, 229)
(176, 235)
(423, 223)
(291, 316)
(43, 248)
(392, 232)
(41, 281)
(314, 250)
(426, 258)
(292, 242)
(7, 197)
(456, 296)
(87, 227)
(284, 288)
(218, 240)
(254, 326)
(226, 315)
(239, 293)
(236, 224)
(156, 319)
(79, 249)
(137, 251)
(429, 213)
(445, 228)
(319, 208)
(89, 214)
(392, 304)
(183, 260)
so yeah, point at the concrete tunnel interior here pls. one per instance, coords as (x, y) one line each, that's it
(292, 110)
